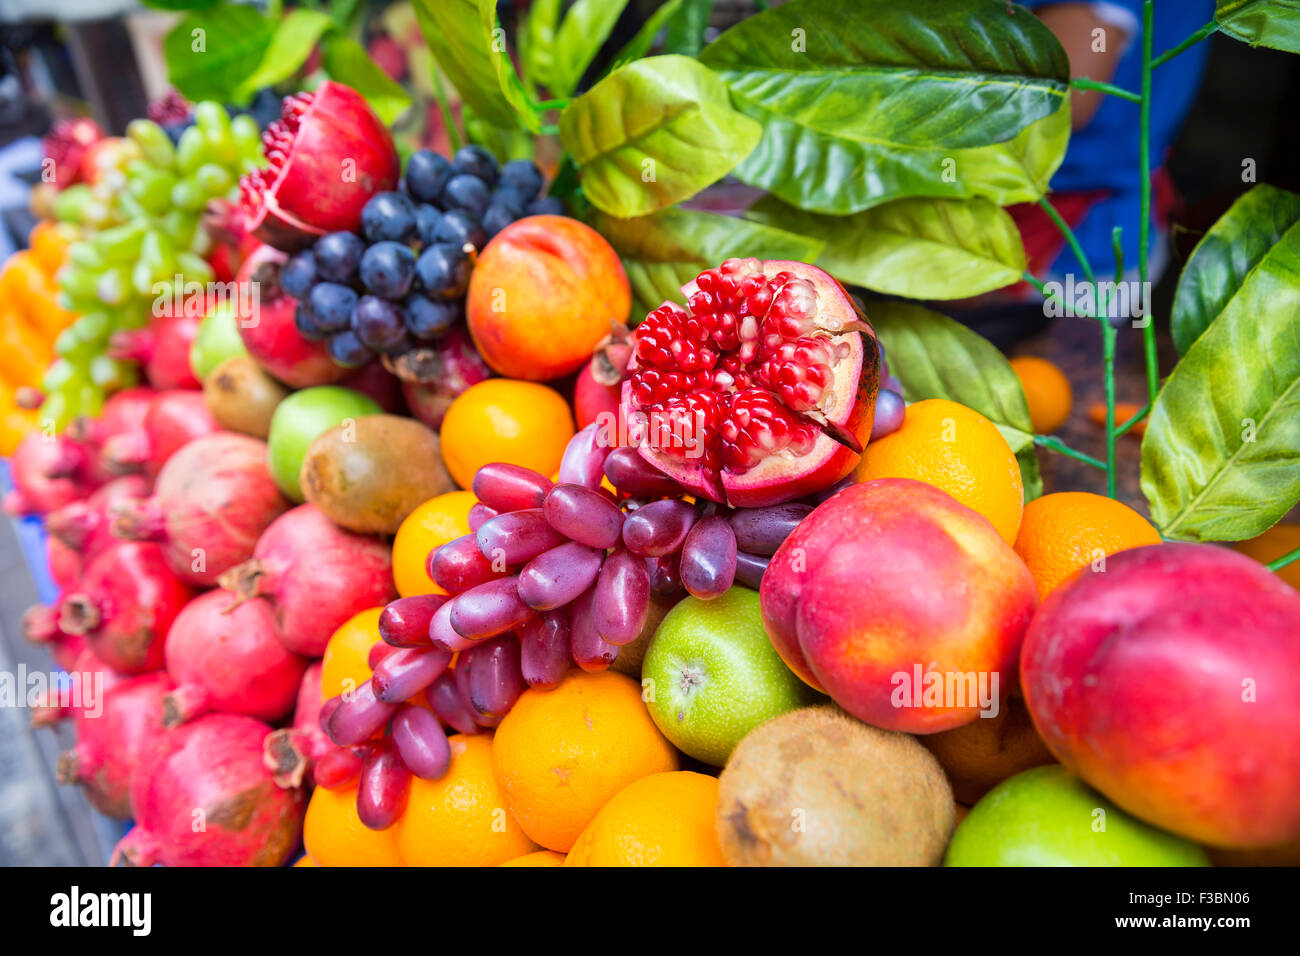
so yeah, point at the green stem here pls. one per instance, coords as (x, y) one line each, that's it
(1055, 444)
(1066, 231)
(1108, 358)
(545, 105)
(1129, 425)
(1083, 83)
(444, 106)
(1283, 561)
(1041, 286)
(1144, 173)
(1187, 44)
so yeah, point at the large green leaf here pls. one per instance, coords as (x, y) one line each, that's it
(919, 248)
(930, 73)
(291, 45)
(586, 27)
(346, 60)
(1221, 456)
(640, 44)
(654, 132)
(210, 52)
(537, 41)
(937, 357)
(1225, 256)
(686, 28)
(1271, 23)
(466, 39)
(664, 251)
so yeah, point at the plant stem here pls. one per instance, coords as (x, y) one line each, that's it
(1283, 561)
(1128, 426)
(1144, 173)
(1108, 359)
(1187, 44)
(1066, 231)
(448, 119)
(545, 105)
(1055, 444)
(1083, 83)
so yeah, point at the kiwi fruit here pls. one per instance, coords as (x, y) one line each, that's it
(981, 754)
(367, 474)
(815, 787)
(242, 397)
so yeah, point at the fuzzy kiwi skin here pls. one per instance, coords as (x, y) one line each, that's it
(242, 397)
(815, 787)
(367, 474)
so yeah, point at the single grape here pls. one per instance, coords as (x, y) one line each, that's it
(407, 671)
(892, 384)
(427, 218)
(462, 674)
(584, 458)
(665, 577)
(388, 269)
(444, 700)
(476, 161)
(544, 651)
(466, 192)
(495, 219)
(378, 652)
(556, 577)
(384, 786)
(358, 717)
(517, 536)
(584, 515)
(658, 528)
(591, 652)
(380, 324)
(761, 530)
(443, 271)
(708, 563)
(338, 256)
(331, 305)
(405, 622)
(430, 319)
(443, 635)
(346, 350)
(522, 175)
(306, 324)
(459, 565)
(458, 227)
(421, 742)
(337, 769)
(489, 609)
(890, 411)
(479, 514)
(495, 678)
(299, 274)
(388, 216)
(511, 200)
(505, 487)
(550, 206)
(622, 598)
(750, 568)
(427, 174)
(633, 475)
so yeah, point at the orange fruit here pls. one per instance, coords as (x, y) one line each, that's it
(1272, 544)
(665, 819)
(425, 529)
(344, 666)
(49, 243)
(305, 860)
(461, 819)
(561, 754)
(540, 858)
(521, 423)
(957, 450)
(1068, 530)
(1047, 391)
(334, 835)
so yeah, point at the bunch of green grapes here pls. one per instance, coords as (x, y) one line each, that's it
(141, 226)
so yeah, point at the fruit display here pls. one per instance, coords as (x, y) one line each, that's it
(507, 504)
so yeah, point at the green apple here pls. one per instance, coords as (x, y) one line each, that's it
(302, 418)
(217, 340)
(1047, 817)
(711, 675)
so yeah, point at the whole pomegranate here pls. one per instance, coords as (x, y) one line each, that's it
(327, 154)
(762, 391)
(446, 368)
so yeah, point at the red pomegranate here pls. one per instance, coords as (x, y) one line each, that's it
(762, 391)
(327, 154)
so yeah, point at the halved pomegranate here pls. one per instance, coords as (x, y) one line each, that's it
(760, 392)
(327, 154)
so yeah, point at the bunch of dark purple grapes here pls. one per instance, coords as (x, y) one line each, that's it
(401, 282)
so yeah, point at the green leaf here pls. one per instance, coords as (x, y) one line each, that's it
(291, 45)
(1221, 456)
(1226, 255)
(664, 251)
(347, 61)
(585, 29)
(537, 41)
(653, 133)
(640, 44)
(1270, 23)
(466, 39)
(181, 4)
(919, 248)
(686, 29)
(210, 52)
(937, 357)
(929, 73)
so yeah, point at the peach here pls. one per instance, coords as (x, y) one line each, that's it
(904, 605)
(1168, 682)
(543, 293)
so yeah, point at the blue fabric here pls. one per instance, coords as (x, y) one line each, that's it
(1104, 154)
